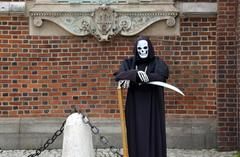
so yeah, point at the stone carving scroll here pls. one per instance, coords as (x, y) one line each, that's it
(104, 21)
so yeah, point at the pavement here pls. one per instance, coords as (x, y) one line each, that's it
(107, 153)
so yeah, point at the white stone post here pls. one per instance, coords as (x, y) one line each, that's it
(77, 138)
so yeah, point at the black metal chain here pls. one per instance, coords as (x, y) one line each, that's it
(102, 138)
(49, 141)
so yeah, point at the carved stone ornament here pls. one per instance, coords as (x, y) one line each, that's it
(105, 21)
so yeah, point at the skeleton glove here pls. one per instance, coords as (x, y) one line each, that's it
(143, 76)
(124, 83)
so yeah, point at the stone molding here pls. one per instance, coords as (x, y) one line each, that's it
(200, 8)
(184, 7)
(104, 21)
(31, 133)
(12, 7)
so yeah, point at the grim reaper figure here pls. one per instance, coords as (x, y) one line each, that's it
(145, 110)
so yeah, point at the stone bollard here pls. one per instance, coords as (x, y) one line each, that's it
(77, 138)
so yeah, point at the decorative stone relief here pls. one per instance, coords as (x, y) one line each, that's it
(105, 21)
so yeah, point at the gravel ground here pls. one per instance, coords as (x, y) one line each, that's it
(105, 153)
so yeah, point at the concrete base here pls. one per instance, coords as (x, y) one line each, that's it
(191, 133)
(31, 133)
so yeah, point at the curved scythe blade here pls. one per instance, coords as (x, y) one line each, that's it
(166, 85)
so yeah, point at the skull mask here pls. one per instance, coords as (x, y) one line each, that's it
(142, 48)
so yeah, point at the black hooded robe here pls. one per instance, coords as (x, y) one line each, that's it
(145, 109)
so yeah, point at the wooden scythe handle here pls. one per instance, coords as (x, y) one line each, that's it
(123, 124)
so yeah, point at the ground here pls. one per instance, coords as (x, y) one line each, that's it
(106, 153)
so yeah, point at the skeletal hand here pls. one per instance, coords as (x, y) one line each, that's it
(124, 83)
(143, 76)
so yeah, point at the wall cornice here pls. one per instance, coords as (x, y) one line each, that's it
(103, 21)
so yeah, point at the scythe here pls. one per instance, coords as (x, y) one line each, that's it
(122, 118)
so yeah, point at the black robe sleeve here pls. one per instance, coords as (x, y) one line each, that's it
(125, 72)
(160, 72)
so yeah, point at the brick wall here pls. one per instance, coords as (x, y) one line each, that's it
(45, 76)
(192, 60)
(227, 89)
(238, 71)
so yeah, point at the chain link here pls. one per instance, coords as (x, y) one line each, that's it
(104, 140)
